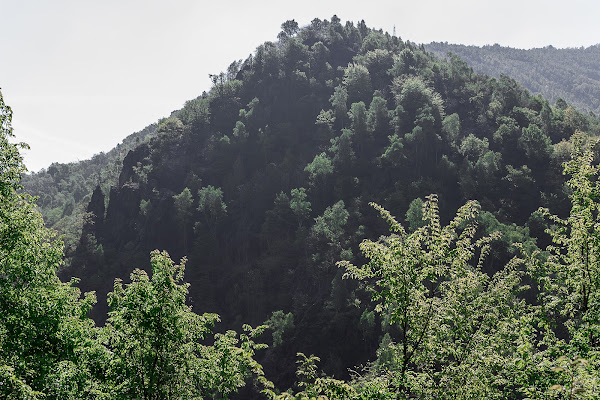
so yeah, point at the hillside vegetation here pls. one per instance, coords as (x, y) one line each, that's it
(64, 190)
(570, 75)
(269, 185)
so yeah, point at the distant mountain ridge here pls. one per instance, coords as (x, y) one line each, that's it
(572, 74)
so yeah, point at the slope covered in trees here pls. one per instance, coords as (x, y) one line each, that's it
(64, 190)
(264, 183)
(461, 333)
(570, 74)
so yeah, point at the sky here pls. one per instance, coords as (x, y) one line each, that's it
(81, 75)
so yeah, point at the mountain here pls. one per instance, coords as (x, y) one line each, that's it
(264, 182)
(570, 74)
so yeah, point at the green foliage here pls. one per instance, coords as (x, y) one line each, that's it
(343, 152)
(571, 276)
(378, 62)
(314, 387)
(514, 237)
(150, 347)
(42, 325)
(473, 148)
(449, 313)
(155, 341)
(196, 113)
(145, 207)
(299, 205)
(377, 118)
(184, 209)
(13, 387)
(394, 153)
(374, 40)
(141, 172)
(183, 205)
(357, 82)
(240, 130)
(414, 215)
(210, 203)
(413, 94)
(228, 363)
(339, 102)
(451, 127)
(279, 322)
(580, 381)
(280, 218)
(327, 237)
(405, 63)
(171, 125)
(11, 165)
(358, 119)
(326, 119)
(464, 334)
(535, 144)
(567, 282)
(153, 335)
(330, 225)
(319, 168)
(288, 29)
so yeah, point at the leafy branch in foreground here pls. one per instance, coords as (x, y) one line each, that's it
(569, 280)
(453, 320)
(44, 331)
(155, 339)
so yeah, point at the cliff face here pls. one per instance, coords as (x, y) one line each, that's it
(264, 183)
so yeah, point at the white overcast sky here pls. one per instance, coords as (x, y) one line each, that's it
(81, 75)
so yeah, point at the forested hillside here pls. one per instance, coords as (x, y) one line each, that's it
(64, 190)
(264, 184)
(568, 74)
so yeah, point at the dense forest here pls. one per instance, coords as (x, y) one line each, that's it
(276, 189)
(567, 74)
